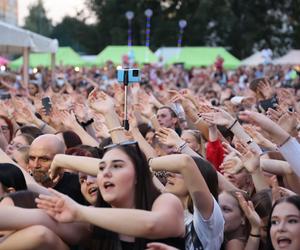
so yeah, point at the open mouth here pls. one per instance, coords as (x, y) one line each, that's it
(283, 242)
(108, 185)
(93, 190)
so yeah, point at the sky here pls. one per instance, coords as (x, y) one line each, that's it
(56, 9)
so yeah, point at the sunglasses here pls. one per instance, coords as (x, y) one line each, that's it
(124, 143)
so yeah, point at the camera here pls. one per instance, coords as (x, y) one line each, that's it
(127, 76)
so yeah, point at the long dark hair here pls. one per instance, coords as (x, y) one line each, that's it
(12, 176)
(294, 200)
(145, 194)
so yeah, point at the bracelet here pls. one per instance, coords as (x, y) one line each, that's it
(232, 124)
(181, 146)
(254, 235)
(43, 126)
(284, 142)
(85, 124)
(198, 120)
(250, 141)
(115, 129)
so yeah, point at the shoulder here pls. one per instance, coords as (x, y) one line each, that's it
(167, 200)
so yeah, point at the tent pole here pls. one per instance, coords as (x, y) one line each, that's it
(25, 67)
(53, 68)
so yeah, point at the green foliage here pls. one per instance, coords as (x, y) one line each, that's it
(37, 20)
(239, 26)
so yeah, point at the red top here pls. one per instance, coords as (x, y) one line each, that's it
(215, 153)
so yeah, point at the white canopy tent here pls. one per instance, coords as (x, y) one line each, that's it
(292, 57)
(167, 53)
(14, 40)
(253, 60)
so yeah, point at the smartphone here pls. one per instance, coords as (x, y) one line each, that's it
(268, 103)
(46, 102)
(5, 96)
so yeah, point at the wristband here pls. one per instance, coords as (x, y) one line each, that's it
(43, 126)
(285, 141)
(254, 235)
(181, 147)
(233, 124)
(115, 129)
(85, 124)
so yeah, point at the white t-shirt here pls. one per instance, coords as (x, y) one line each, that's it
(210, 232)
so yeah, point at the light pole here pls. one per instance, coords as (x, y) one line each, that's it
(148, 14)
(129, 15)
(182, 24)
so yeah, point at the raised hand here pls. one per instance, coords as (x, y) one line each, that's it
(248, 209)
(265, 88)
(250, 157)
(231, 166)
(218, 117)
(59, 206)
(100, 102)
(169, 137)
(258, 137)
(288, 122)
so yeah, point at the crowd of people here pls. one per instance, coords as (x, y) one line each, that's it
(210, 159)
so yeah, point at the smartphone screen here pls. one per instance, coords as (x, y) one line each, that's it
(46, 102)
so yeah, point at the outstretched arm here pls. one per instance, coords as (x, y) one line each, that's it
(164, 220)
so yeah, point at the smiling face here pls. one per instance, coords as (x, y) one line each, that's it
(285, 227)
(116, 179)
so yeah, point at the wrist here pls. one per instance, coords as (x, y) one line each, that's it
(179, 143)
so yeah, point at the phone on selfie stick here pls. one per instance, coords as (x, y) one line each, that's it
(127, 76)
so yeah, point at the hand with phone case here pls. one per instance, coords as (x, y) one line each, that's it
(46, 102)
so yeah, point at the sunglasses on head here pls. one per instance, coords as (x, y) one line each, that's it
(124, 143)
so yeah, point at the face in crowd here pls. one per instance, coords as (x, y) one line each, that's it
(41, 153)
(285, 225)
(88, 187)
(165, 118)
(116, 179)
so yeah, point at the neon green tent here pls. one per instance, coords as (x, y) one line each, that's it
(64, 56)
(140, 54)
(204, 56)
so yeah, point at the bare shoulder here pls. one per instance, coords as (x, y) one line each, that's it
(167, 200)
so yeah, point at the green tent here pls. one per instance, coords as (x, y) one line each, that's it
(64, 56)
(140, 54)
(204, 56)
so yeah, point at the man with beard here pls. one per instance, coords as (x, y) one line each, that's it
(41, 153)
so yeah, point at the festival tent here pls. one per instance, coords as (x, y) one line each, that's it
(64, 56)
(253, 60)
(203, 56)
(166, 53)
(139, 54)
(14, 40)
(292, 57)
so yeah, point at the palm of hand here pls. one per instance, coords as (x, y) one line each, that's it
(287, 122)
(63, 211)
(103, 105)
(251, 161)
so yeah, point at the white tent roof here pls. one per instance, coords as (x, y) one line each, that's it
(13, 39)
(255, 59)
(167, 53)
(292, 57)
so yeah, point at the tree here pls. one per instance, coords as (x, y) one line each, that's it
(37, 20)
(76, 34)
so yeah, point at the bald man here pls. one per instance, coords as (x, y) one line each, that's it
(41, 153)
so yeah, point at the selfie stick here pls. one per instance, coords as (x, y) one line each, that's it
(125, 81)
